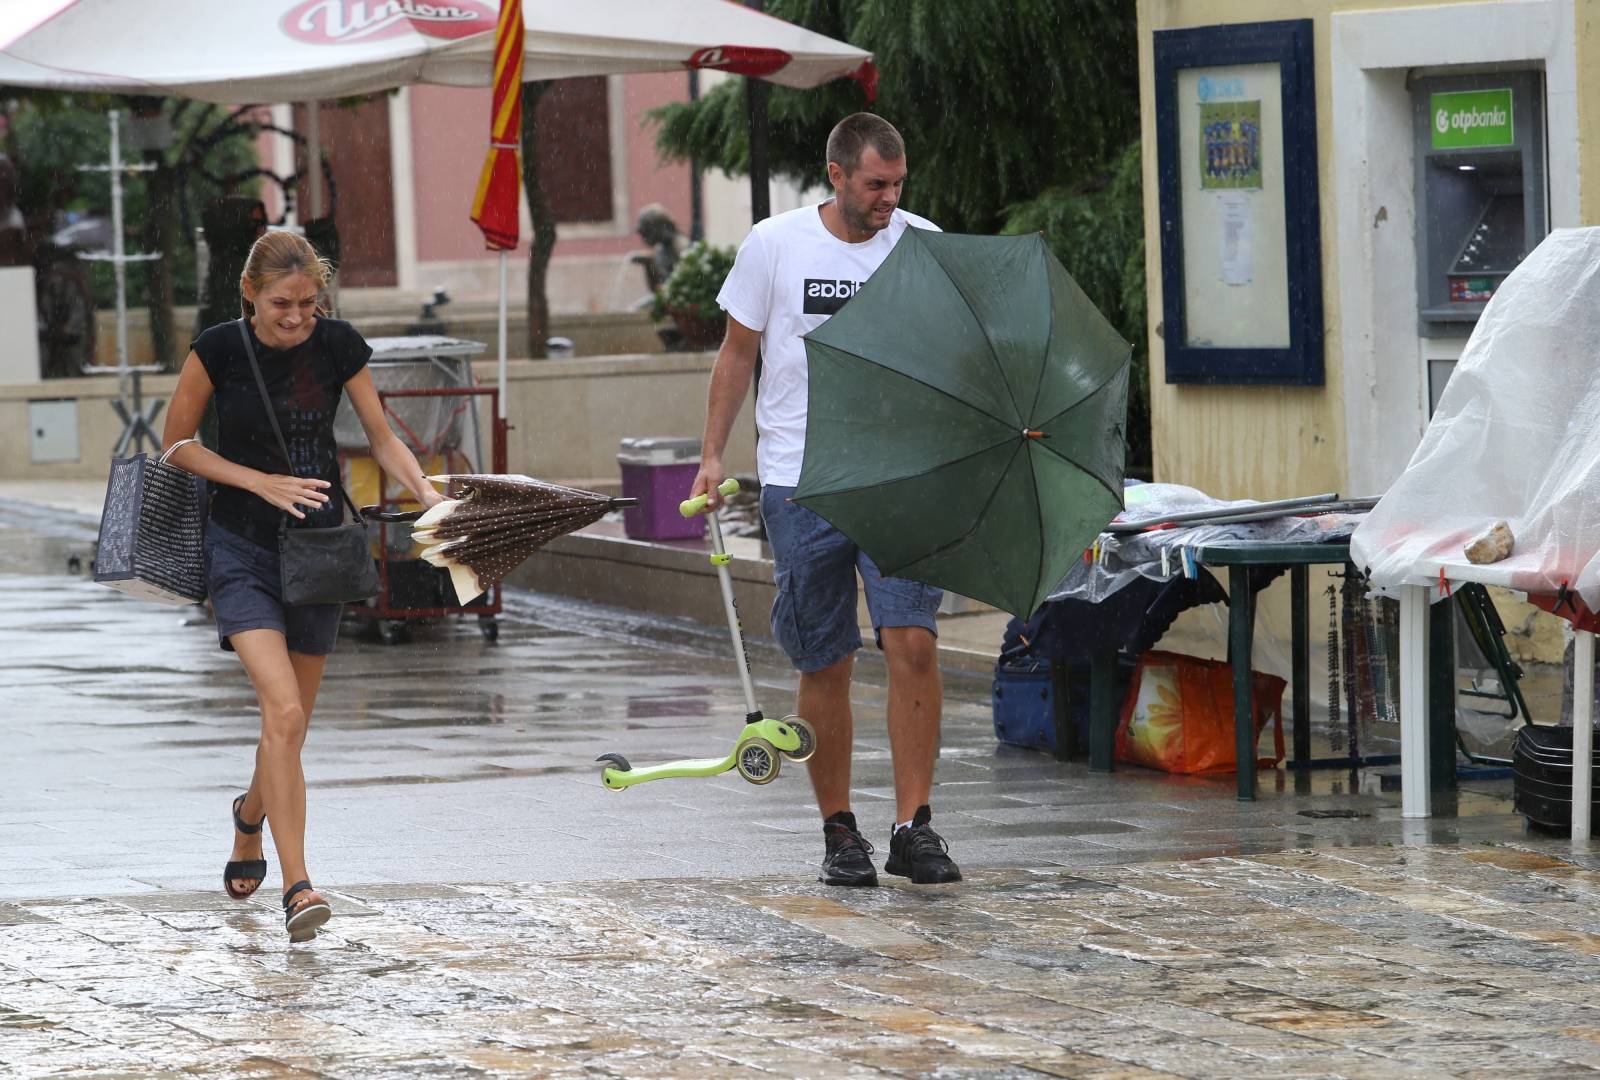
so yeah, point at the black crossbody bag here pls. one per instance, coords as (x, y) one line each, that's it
(319, 566)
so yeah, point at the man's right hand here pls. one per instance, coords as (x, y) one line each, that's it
(707, 480)
(289, 493)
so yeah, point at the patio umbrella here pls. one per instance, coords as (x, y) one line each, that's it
(496, 206)
(267, 51)
(497, 521)
(309, 50)
(965, 424)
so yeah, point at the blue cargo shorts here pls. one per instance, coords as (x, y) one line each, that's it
(815, 566)
(247, 594)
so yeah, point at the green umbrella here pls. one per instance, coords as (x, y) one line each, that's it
(965, 424)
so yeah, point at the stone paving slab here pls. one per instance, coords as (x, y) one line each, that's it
(1362, 962)
(521, 920)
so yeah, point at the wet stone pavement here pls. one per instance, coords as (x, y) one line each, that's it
(498, 913)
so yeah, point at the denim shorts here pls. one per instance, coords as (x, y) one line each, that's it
(247, 594)
(815, 566)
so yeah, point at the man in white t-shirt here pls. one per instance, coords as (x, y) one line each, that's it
(794, 271)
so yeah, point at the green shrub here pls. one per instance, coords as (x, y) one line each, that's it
(690, 291)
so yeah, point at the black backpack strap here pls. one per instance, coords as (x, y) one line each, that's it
(272, 415)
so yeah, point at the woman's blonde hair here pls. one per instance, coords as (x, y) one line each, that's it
(278, 254)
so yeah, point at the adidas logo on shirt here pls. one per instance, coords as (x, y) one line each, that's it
(826, 297)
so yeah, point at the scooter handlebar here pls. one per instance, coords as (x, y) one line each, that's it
(697, 505)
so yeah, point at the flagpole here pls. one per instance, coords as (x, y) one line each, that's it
(502, 396)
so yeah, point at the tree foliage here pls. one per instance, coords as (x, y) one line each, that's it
(1017, 116)
(212, 151)
(997, 102)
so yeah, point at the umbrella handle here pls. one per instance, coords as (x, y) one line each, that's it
(392, 517)
(697, 505)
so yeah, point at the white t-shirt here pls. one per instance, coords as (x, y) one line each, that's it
(791, 274)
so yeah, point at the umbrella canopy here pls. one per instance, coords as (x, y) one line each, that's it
(499, 195)
(965, 417)
(304, 50)
(496, 522)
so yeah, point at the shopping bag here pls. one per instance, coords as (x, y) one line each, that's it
(150, 531)
(1178, 715)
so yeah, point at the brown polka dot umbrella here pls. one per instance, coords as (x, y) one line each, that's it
(495, 522)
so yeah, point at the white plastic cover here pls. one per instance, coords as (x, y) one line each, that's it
(1516, 438)
(239, 51)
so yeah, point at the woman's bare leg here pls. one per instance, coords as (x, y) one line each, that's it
(286, 686)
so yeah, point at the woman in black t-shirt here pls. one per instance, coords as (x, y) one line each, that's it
(306, 361)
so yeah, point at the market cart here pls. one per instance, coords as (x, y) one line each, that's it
(432, 401)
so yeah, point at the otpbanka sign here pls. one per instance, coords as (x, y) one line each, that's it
(1468, 118)
(342, 22)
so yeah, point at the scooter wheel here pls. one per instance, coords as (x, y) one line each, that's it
(613, 761)
(757, 761)
(808, 738)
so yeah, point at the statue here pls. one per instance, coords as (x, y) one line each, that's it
(656, 228)
(14, 248)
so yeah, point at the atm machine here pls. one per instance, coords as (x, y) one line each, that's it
(1481, 199)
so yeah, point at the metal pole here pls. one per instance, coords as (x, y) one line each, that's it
(756, 93)
(719, 559)
(1414, 801)
(501, 404)
(117, 253)
(1582, 735)
(314, 158)
(697, 214)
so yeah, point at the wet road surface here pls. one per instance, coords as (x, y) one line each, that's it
(500, 913)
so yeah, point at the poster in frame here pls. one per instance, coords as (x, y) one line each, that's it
(1236, 167)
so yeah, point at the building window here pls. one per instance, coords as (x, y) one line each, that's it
(575, 150)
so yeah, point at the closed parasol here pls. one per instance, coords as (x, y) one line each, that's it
(497, 521)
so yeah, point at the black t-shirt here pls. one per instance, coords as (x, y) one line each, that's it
(305, 383)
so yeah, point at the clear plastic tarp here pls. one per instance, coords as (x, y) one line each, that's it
(1516, 438)
(1160, 554)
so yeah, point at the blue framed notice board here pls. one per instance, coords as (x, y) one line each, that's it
(1236, 167)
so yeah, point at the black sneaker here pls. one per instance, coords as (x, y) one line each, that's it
(848, 860)
(919, 853)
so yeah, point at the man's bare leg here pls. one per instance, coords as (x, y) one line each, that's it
(824, 703)
(915, 699)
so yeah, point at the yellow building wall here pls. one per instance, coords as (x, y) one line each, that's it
(1268, 442)
(1588, 33)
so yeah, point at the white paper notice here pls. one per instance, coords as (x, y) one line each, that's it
(1236, 237)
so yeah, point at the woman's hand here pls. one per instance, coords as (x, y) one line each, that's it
(430, 497)
(289, 493)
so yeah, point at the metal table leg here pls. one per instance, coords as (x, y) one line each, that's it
(1241, 631)
(1102, 708)
(1300, 660)
(1414, 801)
(1582, 735)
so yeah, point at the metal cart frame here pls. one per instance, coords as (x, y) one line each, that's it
(381, 611)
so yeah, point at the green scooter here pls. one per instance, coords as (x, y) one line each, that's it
(763, 743)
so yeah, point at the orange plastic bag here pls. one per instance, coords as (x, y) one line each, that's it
(1178, 716)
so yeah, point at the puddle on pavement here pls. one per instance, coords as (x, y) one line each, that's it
(35, 541)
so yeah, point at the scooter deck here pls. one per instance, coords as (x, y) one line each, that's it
(783, 738)
(622, 778)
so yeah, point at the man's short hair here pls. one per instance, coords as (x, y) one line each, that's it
(855, 133)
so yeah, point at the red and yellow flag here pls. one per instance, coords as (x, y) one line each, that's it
(498, 201)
